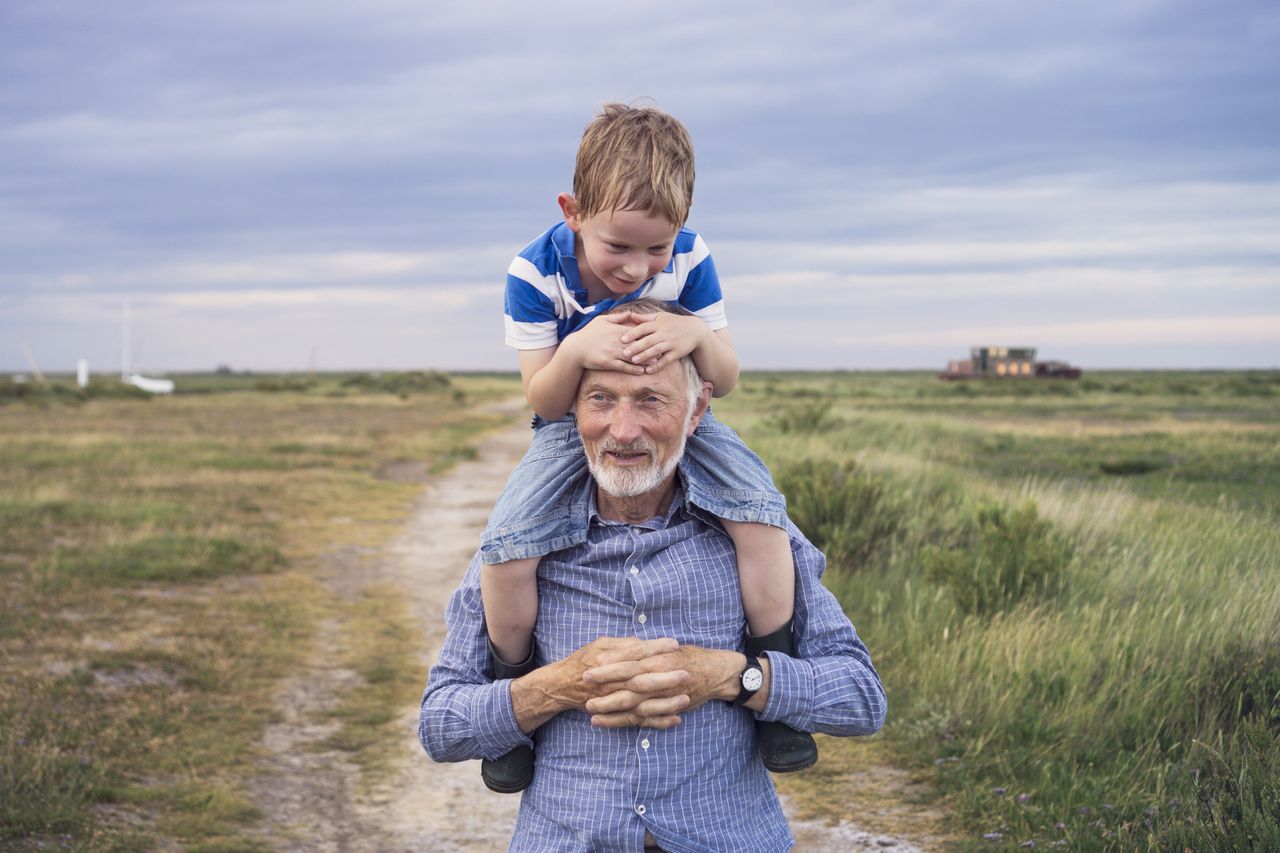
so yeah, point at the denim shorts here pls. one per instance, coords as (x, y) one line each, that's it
(542, 509)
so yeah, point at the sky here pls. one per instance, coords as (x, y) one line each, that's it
(341, 185)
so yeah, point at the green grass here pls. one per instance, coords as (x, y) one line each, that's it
(1131, 703)
(155, 559)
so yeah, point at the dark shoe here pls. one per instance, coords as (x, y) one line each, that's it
(513, 772)
(782, 748)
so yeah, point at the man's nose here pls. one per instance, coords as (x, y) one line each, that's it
(625, 426)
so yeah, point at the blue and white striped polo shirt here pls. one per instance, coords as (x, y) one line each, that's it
(546, 300)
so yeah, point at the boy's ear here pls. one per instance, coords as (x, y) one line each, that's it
(569, 207)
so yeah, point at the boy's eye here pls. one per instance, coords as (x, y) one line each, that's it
(616, 247)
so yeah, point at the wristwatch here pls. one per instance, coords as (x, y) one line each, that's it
(752, 679)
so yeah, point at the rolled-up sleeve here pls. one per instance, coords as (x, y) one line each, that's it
(831, 685)
(464, 713)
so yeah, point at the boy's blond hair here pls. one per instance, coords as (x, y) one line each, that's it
(634, 158)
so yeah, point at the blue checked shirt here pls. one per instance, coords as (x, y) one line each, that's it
(697, 787)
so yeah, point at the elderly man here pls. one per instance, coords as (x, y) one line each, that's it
(643, 702)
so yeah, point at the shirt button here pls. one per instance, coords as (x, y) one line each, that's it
(642, 619)
(640, 810)
(634, 570)
(644, 744)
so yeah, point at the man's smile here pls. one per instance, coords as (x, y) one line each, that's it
(627, 456)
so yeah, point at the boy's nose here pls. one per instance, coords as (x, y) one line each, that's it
(634, 269)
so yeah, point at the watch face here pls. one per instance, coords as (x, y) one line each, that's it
(752, 679)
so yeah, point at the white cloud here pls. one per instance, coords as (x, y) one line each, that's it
(1094, 287)
(333, 300)
(311, 271)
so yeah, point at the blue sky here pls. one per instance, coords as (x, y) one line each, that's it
(882, 184)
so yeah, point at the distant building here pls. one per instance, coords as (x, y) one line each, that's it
(1007, 363)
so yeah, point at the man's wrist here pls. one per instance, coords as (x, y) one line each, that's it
(729, 690)
(731, 685)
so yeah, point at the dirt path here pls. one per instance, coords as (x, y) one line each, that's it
(309, 795)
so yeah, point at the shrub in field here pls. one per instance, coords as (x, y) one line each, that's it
(812, 416)
(847, 513)
(1002, 557)
(1237, 796)
(1242, 682)
(1132, 466)
(404, 384)
(1253, 384)
(67, 392)
(284, 384)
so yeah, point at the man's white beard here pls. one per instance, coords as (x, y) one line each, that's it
(633, 481)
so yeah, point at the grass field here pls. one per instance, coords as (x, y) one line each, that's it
(156, 561)
(1070, 589)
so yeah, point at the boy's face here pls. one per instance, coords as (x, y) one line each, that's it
(618, 250)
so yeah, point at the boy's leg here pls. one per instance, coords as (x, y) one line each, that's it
(509, 592)
(510, 595)
(767, 575)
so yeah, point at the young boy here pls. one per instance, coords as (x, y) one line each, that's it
(623, 237)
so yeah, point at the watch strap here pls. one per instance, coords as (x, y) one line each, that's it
(744, 695)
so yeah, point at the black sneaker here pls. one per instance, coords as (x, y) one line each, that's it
(509, 774)
(783, 749)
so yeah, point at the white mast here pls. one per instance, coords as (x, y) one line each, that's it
(124, 344)
(127, 376)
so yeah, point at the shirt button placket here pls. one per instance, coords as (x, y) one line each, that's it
(634, 571)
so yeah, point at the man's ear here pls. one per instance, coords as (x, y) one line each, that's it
(569, 207)
(700, 406)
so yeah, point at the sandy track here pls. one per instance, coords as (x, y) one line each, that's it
(309, 796)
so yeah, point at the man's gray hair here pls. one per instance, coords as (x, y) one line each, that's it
(646, 305)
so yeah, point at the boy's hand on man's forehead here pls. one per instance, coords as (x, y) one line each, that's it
(657, 340)
(598, 345)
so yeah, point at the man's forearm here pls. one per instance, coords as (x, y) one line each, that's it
(717, 675)
(538, 696)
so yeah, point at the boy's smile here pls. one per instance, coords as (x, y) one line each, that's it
(618, 250)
